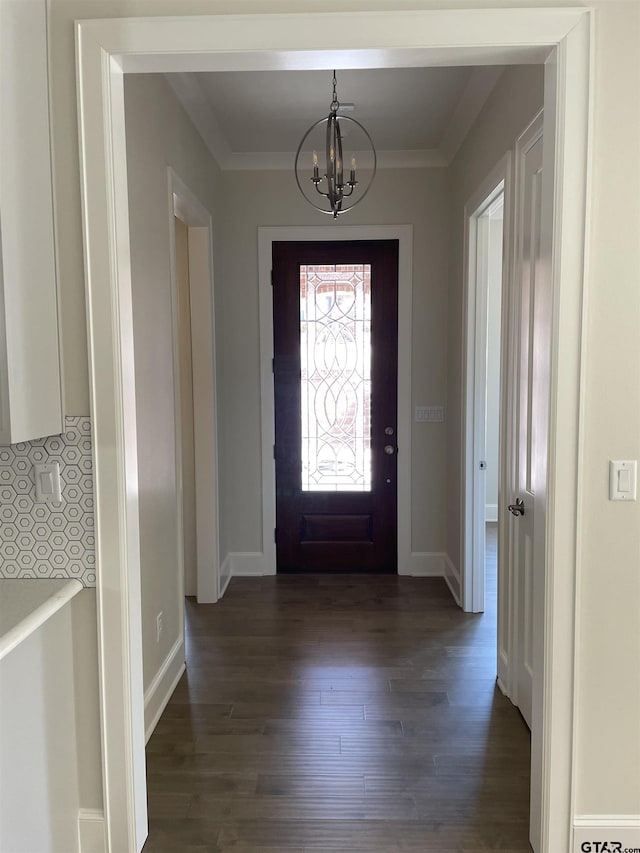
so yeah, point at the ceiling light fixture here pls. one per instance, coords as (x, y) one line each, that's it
(331, 187)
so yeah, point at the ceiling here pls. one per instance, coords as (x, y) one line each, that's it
(416, 116)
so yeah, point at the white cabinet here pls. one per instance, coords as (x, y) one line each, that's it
(30, 383)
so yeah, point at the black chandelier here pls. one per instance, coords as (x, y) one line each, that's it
(331, 188)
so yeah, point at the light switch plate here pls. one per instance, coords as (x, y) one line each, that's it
(429, 414)
(623, 479)
(47, 478)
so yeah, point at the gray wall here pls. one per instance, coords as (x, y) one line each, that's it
(159, 134)
(414, 196)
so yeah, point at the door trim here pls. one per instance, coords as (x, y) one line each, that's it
(105, 50)
(325, 233)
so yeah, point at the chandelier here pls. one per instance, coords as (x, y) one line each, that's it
(330, 193)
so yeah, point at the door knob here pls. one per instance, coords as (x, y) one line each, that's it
(389, 449)
(517, 508)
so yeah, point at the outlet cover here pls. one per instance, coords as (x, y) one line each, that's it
(429, 414)
(47, 477)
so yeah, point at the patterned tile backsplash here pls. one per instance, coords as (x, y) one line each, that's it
(40, 540)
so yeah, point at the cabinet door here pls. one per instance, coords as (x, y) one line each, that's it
(30, 388)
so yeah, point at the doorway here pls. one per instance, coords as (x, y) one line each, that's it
(159, 44)
(266, 562)
(335, 309)
(194, 365)
(484, 439)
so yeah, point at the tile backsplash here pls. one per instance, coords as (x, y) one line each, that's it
(40, 540)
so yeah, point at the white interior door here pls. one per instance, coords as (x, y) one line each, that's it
(527, 276)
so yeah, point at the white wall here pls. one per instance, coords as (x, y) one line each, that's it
(418, 197)
(608, 641)
(159, 134)
(608, 671)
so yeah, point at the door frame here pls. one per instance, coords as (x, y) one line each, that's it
(472, 573)
(106, 49)
(185, 204)
(320, 234)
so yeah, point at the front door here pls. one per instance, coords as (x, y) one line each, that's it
(335, 308)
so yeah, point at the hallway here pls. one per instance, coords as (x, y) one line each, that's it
(339, 713)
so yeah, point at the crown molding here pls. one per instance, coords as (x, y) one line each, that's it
(192, 96)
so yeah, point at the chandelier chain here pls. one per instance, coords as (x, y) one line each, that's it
(335, 103)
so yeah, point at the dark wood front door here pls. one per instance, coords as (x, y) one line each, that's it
(335, 309)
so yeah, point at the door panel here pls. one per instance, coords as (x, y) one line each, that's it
(335, 378)
(528, 276)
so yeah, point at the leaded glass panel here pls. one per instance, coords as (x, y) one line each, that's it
(335, 357)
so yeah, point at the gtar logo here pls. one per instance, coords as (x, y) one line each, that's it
(601, 847)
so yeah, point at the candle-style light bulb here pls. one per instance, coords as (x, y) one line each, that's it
(332, 154)
(352, 176)
(353, 162)
(316, 174)
(315, 159)
(339, 167)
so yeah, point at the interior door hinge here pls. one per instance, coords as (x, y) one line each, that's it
(273, 365)
(274, 451)
(275, 535)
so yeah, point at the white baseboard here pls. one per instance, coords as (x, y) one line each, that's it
(249, 564)
(225, 575)
(452, 577)
(432, 564)
(91, 831)
(491, 512)
(161, 688)
(423, 564)
(622, 832)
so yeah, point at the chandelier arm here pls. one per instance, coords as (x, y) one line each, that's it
(297, 157)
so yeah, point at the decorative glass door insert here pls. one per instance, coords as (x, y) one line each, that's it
(335, 371)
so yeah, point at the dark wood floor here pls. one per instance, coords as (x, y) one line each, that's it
(339, 713)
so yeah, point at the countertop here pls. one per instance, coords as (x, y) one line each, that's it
(25, 604)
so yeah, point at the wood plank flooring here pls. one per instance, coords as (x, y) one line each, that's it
(339, 713)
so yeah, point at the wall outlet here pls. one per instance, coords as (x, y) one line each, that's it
(159, 625)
